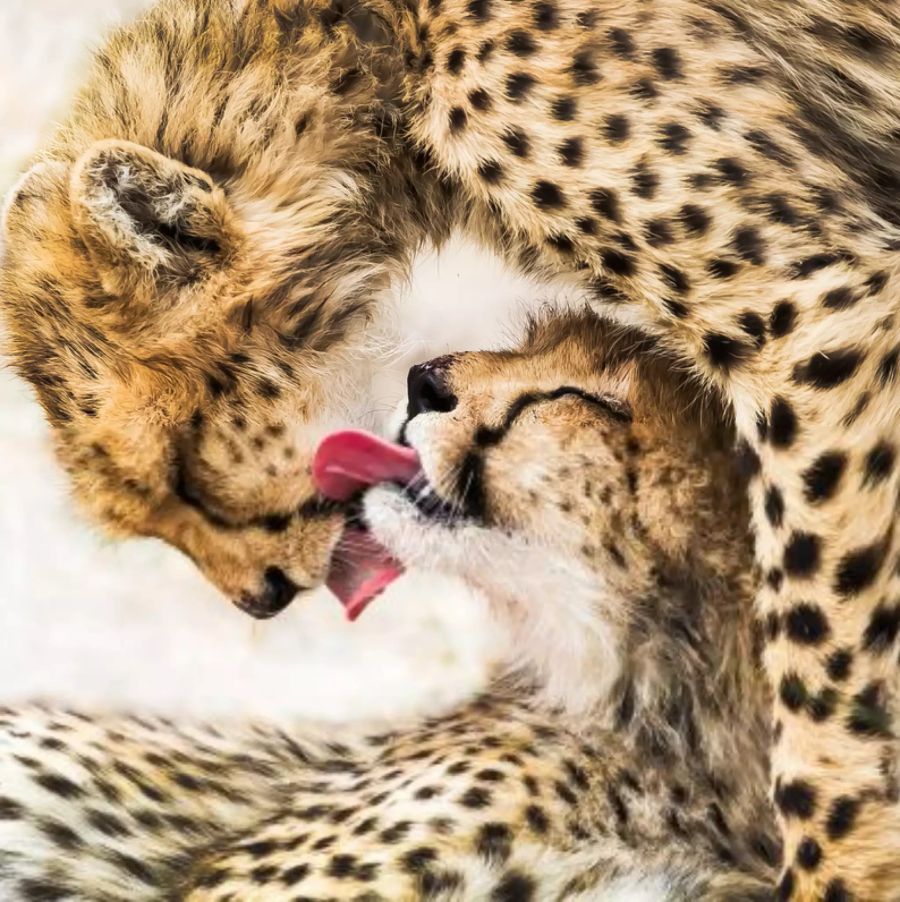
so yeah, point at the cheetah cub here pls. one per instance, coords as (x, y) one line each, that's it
(623, 744)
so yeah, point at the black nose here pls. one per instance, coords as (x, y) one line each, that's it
(278, 592)
(427, 389)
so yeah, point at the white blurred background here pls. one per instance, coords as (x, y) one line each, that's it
(132, 625)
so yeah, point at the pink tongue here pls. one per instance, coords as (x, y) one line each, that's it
(348, 461)
(344, 463)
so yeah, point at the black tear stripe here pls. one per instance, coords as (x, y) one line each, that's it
(470, 484)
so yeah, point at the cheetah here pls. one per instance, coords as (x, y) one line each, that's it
(622, 744)
(214, 224)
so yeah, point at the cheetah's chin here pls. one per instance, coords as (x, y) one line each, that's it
(345, 463)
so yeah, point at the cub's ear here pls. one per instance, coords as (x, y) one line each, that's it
(146, 216)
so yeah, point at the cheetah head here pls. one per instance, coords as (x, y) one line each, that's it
(568, 481)
(189, 346)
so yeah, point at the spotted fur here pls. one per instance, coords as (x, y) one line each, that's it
(602, 755)
(203, 237)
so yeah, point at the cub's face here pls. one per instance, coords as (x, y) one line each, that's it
(552, 467)
(190, 347)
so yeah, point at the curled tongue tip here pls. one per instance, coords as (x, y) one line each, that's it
(350, 460)
(361, 570)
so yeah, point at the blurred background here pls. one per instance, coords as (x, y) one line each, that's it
(102, 625)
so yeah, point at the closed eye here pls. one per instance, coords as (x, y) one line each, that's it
(187, 492)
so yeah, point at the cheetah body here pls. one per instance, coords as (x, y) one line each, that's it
(198, 253)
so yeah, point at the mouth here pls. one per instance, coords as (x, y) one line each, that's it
(345, 464)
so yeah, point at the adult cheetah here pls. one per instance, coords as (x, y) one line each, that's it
(621, 750)
(213, 223)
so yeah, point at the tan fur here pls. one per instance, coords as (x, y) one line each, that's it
(722, 175)
(622, 539)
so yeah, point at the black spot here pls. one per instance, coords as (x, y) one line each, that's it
(485, 51)
(792, 692)
(869, 715)
(836, 891)
(809, 265)
(658, 233)
(667, 62)
(545, 16)
(616, 128)
(822, 477)
(838, 664)
(476, 797)
(341, 866)
(676, 308)
(840, 298)
(779, 209)
(802, 555)
(860, 568)
(418, 860)
(547, 196)
(644, 89)
(875, 283)
(674, 137)
(722, 268)
(59, 785)
(537, 819)
(293, 875)
(841, 817)
(518, 85)
(754, 325)
(879, 464)
(774, 506)
(458, 119)
(586, 225)
(732, 171)
(749, 245)
(565, 793)
(480, 99)
(10, 810)
(491, 171)
(796, 799)
(773, 626)
(782, 424)
(723, 351)
(514, 887)
(694, 219)
(785, 888)
(494, 842)
(395, 832)
(645, 181)
(584, 68)
(517, 142)
(480, 9)
(621, 43)
(674, 278)
(884, 624)
(572, 152)
(807, 624)
(748, 462)
(618, 263)
(606, 203)
(775, 579)
(822, 706)
(561, 243)
(887, 368)
(765, 146)
(456, 60)
(783, 319)
(563, 109)
(520, 43)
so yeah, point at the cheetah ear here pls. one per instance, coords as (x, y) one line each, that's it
(147, 216)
